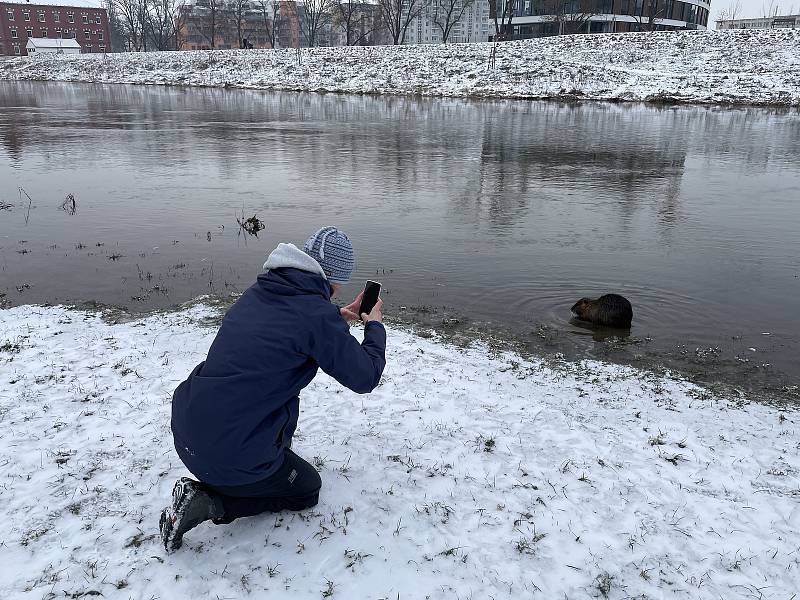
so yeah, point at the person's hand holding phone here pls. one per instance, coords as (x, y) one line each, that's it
(375, 315)
(367, 305)
(350, 312)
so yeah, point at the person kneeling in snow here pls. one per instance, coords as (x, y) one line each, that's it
(234, 417)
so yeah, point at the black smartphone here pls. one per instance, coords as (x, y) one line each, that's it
(370, 298)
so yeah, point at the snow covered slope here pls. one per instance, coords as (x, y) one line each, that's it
(749, 67)
(467, 474)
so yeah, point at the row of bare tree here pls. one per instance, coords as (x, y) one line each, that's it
(142, 25)
(242, 20)
(394, 17)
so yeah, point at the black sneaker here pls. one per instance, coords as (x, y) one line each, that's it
(191, 505)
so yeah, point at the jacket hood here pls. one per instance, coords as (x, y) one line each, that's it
(291, 272)
(290, 256)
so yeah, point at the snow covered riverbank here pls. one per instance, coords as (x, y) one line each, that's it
(467, 474)
(744, 67)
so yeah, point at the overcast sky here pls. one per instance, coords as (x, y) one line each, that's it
(755, 8)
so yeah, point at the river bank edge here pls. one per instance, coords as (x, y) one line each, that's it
(449, 328)
(759, 68)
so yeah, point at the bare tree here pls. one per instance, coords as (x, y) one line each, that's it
(143, 15)
(212, 21)
(119, 39)
(317, 15)
(132, 20)
(735, 9)
(181, 11)
(236, 11)
(652, 10)
(446, 13)
(397, 16)
(503, 19)
(571, 16)
(349, 15)
(269, 10)
(770, 9)
(161, 24)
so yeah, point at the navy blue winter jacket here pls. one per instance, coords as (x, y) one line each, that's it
(235, 415)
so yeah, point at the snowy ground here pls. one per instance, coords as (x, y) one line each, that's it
(749, 67)
(467, 474)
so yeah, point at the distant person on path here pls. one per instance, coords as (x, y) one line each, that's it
(234, 417)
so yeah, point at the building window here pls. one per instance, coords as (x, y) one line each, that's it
(40, 17)
(85, 19)
(86, 34)
(14, 34)
(98, 20)
(70, 18)
(56, 17)
(89, 48)
(29, 32)
(102, 48)
(10, 15)
(100, 36)
(26, 14)
(16, 50)
(43, 30)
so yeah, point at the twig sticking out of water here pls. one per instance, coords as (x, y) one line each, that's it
(69, 206)
(30, 203)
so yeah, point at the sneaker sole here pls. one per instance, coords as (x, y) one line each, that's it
(165, 528)
(182, 495)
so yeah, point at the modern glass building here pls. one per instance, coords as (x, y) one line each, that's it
(535, 18)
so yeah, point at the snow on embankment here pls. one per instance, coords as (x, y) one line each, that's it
(747, 67)
(467, 473)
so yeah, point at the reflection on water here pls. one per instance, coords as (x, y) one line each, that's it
(503, 212)
(599, 333)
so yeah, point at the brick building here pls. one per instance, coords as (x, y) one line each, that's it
(85, 21)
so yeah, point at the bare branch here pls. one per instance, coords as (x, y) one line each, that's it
(446, 13)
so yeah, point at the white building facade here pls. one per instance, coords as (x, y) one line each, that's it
(777, 22)
(473, 26)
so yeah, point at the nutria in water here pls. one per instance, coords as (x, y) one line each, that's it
(611, 310)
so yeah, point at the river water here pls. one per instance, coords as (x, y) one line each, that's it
(499, 214)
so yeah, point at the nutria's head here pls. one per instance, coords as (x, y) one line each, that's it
(581, 305)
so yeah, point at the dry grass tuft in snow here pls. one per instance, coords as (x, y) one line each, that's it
(465, 475)
(760, 67)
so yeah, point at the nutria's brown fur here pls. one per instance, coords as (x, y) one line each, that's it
(611, 310)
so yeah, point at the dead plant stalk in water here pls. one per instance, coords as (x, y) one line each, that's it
(30, 203)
